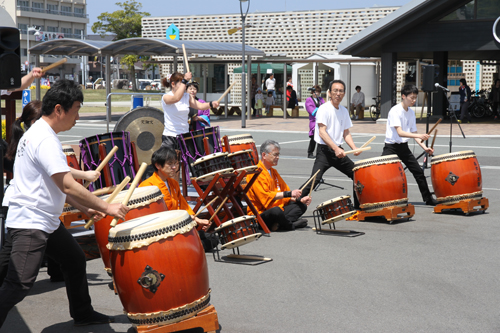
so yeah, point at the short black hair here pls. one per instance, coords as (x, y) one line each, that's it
(409, 89)
(336, 81)
(63, 92)
(162, 156)
(463, 82)
(357, 87)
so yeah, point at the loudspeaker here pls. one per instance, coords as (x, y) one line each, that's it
(429, 77)
(10, 58)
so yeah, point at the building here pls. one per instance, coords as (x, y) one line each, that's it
(52, 19)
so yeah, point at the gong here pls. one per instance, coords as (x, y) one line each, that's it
(145, 125)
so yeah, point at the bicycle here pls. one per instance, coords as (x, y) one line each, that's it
(375, 108)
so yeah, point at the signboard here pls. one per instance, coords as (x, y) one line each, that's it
(173, 32)
(44, 36)
(26, 97)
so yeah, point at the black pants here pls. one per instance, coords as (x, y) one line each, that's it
(253, 107)
(325, 159)
(464, 111)
(24, 250)
(291, 213)
(312, 145)
(411, 162)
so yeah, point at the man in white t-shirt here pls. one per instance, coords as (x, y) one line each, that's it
(43, 184)
(401, 126)
(332, 128)
(358, 104)
(270, 85)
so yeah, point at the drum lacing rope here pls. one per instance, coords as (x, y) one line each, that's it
(92, 162)
(127, 157)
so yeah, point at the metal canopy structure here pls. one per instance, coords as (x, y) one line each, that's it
(68, 46)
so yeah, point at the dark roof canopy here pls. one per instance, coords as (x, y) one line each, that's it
(415, 31)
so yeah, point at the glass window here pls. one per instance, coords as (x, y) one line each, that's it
(79, 12)
(37, 7)
(459, 69)
(465, 12)
(78, 33)
(66, 31)
(23, 4)
(452, 69)
(66, 10)
(487, 9)
(52, 29)
(23, 28)
(52, 9)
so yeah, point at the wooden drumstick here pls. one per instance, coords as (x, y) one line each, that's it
(434, 139)
(314, 181)
(104, 162)
(313, 177)
(57, 63)
(357, 150)
(218, 209)
(104, 190)
(368, 142)
(137, 178)
(226, 92)
(433, 127)
(110, 198)
(208, 204)
(185, 58)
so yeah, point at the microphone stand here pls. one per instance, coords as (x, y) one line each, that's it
(452, 116)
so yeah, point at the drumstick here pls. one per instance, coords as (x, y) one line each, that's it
(368, 142)
(110, 198)
(433, 127)
(357, 150)
(314, 181)
(104, 190)
(434, 139)
(57, 63)
(208, 204)
(185, 58)
(226, 92)
(104, 162)
(137, 178)
(218, 209)
(314, 176)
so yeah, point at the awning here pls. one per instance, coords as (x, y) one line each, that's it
(277, 68)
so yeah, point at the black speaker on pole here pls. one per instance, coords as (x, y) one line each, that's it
(429, 77)
(10, 58)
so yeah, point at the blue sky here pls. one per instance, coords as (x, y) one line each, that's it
(197, 7)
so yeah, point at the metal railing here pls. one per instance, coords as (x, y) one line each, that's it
(53, 12)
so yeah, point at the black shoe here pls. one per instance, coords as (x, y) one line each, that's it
(94, 319)
(431, 202)
(311, 156)
(300, 223)
(57, 278)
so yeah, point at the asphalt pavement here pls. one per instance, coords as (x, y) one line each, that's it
(433, 273)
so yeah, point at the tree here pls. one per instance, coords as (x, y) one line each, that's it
(124, 23)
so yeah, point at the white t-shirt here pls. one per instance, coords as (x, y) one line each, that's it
(37, 202)
(401, 118)
(270, 84)
(176, 116)
(335, 120)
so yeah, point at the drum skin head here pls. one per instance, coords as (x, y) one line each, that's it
(145, 125)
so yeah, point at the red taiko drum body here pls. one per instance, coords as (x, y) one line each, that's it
(380, 182)
(336, 209)
(159, 268)
(144, 201)
(456, 176)
(242, 142)
(71, 159)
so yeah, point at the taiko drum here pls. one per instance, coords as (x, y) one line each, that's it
(237, 232)
(242, 160)
(159, 268)
(71, 159)
(335, 209)
(380, 182)
(456, 177)
(242, 142)
(144, 201)
(206, 167)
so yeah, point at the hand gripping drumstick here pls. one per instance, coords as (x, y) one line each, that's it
(226, 92)
(104, 162)
(110, 198)
(57, 63)
(313, 177)
(368, 142)
(433, 127)
(185, 58)
(357, 150)
(434, 139)
(208, 204)
(137, 178)
(218, 209)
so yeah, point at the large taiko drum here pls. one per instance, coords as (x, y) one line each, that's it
(456, 177)
(242, 142)
(237, 232)
(335, 210)
(144, 201)
(242, 160)
(205, 168)
(159, 268)
(70, 154)
(380, 182)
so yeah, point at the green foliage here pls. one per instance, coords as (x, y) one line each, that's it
(125, 23)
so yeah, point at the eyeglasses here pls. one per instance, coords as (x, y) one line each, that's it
(275, 154)
(173, 164)
(338, 91)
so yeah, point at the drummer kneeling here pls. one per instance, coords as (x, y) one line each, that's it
(165, 163)
(277, 205)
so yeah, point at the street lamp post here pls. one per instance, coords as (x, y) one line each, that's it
(37, 33)
(243, 82)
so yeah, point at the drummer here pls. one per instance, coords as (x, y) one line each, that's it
(401, 126)
(43, 183)
(165, 163)
(279, 207)
(332, 129)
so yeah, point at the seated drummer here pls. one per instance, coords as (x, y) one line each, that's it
(279, 207)
(165, 164)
